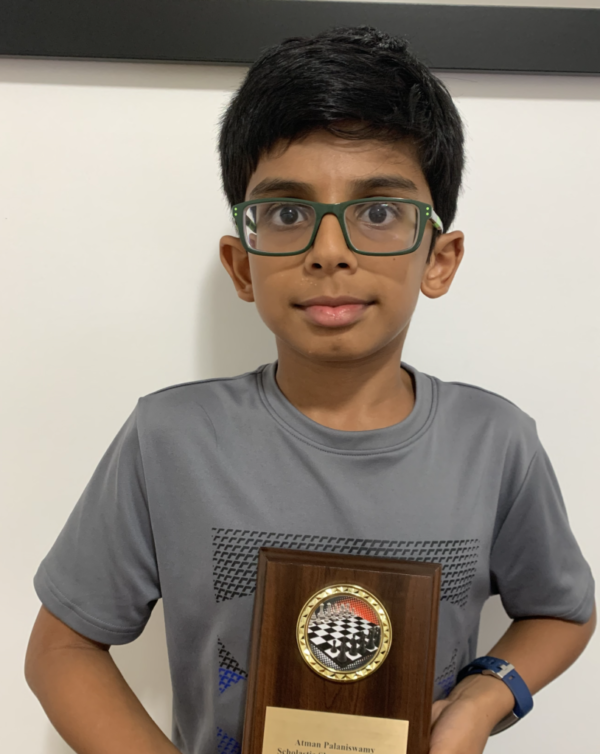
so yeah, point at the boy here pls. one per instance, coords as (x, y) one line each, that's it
(342, 159)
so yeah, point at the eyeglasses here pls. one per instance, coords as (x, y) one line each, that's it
(378, 226)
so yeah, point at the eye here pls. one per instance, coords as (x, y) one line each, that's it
(286, 214)
(377, 213)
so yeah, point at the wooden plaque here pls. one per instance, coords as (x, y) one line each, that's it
(396, 685)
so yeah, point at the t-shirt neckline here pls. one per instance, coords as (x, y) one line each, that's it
(365, 442)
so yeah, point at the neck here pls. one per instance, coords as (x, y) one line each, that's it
(363, 394)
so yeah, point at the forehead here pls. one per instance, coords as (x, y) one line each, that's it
(330, 164)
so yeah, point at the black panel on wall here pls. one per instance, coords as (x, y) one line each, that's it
(490, 38)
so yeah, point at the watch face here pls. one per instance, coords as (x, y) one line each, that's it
(344, 633)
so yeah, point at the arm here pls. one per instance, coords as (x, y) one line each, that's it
(85, 696)
(539, 648)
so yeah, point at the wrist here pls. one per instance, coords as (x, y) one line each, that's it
(490, 699)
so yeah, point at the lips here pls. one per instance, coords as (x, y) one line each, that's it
(327, 311)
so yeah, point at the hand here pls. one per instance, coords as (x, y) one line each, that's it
(457, 729)
(462, 723)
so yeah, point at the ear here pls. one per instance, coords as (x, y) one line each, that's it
(235, 260)
(445, 258)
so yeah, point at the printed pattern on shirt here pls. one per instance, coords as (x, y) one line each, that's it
(226, 744)
(235, 558)
(447, 678)
(230, 671)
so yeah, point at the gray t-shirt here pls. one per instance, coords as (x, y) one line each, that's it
(203, 474)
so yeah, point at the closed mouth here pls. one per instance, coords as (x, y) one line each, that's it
(333, 301)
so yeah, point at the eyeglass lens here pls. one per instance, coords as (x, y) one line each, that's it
(376, 227)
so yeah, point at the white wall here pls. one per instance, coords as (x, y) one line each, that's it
(522, 3)
(110, 214)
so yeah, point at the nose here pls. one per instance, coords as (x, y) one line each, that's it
(329, 250)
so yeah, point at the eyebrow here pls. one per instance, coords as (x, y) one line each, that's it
(283, 187)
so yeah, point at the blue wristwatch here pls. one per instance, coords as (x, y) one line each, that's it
(504, 671)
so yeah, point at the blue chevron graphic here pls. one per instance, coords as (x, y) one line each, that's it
(226, 744)
(228, 678)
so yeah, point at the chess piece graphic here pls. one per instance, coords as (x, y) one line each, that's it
(361, 643)
(370, 645)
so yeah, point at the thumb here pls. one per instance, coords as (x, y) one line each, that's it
(437, 709)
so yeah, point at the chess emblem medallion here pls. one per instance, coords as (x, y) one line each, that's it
(344, 633)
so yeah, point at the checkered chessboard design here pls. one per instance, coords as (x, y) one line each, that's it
(325, 638)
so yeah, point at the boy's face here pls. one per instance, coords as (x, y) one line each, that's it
(366, 302)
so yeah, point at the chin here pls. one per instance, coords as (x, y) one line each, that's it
(337, 353)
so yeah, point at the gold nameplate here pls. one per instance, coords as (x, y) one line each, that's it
(344, 633)
(294, 731)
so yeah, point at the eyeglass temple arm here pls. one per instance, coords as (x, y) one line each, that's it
(437, 223)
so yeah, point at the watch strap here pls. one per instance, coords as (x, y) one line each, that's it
(506, 673)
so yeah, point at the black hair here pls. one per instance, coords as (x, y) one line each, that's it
(357, 83)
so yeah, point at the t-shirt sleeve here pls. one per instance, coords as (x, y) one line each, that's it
(536, 564)
(101, 575)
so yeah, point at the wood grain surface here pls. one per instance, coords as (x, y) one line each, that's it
(402, 688)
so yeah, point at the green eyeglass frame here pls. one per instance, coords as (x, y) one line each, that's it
(426, 212)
